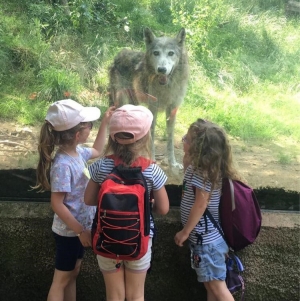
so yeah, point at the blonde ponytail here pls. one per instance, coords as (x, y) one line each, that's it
(45, 148)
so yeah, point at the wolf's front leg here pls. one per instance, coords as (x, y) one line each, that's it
(153, 109)
(170, 120)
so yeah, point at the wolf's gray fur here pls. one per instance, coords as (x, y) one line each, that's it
(158, 77)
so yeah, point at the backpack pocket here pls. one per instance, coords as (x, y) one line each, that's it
(120, 233)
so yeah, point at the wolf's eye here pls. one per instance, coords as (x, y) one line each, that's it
(171, 53)
(156, 53)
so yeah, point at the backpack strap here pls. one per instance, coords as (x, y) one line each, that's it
(207, 212)
(238, 263)
(209, 215)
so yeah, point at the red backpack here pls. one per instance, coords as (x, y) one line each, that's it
(121, 226)
(240, 215)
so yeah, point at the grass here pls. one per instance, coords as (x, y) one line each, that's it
(284, 158)
(244, 59)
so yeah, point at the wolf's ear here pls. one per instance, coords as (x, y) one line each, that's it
(181, 36)
(148, 36)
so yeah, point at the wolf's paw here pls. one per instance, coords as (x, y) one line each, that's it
(176, 165)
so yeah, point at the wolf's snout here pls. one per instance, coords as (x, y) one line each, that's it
(162, 70)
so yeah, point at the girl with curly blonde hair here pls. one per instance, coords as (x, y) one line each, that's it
(207, 160)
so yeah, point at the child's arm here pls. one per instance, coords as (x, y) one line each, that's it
(201, 201)
(99, 143)
(161, 201)
(91, 192)
(65, 215)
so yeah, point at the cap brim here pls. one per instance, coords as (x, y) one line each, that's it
(90, 114)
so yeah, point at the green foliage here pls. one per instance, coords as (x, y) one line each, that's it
(200, 18)
(50, 19)
(58, 84)
(25, 111)
(22, 51)
(244, 58)
(4, 64)
(162, 12)
(235, 48)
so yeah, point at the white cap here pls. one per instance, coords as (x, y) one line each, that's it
(65, 114)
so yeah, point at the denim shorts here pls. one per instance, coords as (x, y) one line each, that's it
(209, 260)
(108, 265)
(68, 251)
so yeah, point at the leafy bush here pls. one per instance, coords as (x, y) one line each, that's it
(58, 84)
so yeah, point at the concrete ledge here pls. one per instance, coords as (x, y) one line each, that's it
(27, 254)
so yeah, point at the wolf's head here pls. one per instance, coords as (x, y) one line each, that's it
(163, 53)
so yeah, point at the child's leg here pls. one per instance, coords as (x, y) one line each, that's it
(208, 261)
(125, 278)
(218, 291)
(114, 278)
(210, 295)
(135, 275)
(135, 283)
(114, 285)
(69, 254)
(61, 281)
(70, 290)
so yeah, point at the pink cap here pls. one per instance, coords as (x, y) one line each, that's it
(67, 113)
(135, 120)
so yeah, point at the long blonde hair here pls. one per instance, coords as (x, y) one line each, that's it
(210, 152)
(49, 140)
(128, 153)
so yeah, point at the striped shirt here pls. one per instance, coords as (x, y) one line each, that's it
(191, 180)
(154, 176)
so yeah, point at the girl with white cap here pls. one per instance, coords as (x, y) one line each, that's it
(68, 124)
(128, 144)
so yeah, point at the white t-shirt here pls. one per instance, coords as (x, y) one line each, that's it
(66, 175)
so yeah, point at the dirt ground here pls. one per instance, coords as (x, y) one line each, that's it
(263, 164)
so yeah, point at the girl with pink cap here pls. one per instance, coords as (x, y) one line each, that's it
(128, 143)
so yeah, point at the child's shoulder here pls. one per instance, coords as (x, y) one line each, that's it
(104, 161)
(194, 175)
(190, 171)
(189, 168)
(60, 158)
(154, 170)
(85, 152)
(102, 166)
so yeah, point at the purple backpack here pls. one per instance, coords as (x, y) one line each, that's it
(240, 220)
(240, 215)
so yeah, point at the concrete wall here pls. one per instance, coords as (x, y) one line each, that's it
(27, 254)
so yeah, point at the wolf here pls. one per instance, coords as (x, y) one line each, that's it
(157, 77)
